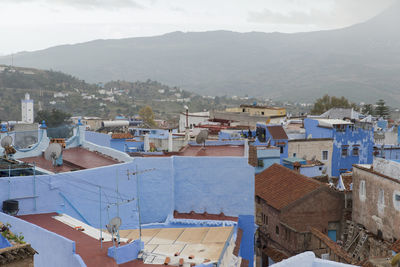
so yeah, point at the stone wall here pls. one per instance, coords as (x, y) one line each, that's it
(366, 208)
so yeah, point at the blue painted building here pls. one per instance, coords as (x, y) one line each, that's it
(266, 157)
(274, 135)
(353, 142)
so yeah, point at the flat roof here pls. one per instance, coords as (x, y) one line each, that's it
(87, 247)
(76, 158)
(201, 242)
(213, 151)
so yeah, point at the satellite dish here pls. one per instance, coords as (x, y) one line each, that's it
(6, 141)
(113, 225)
(202, 137)
(53, 152)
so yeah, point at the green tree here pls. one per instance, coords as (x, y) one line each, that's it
(53, 118)
(381, 109)
(147, 115)
(327, 102)
(368, 109)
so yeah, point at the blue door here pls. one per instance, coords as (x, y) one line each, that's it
(332, 235)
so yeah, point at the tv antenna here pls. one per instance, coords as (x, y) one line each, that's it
(6, 143)
(113, 228)
(202, 137)
(53, 152)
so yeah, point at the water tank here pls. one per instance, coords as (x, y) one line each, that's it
(114, 123)
(11, 207)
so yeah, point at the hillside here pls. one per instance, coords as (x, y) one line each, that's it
(360, 62)
(51, 89)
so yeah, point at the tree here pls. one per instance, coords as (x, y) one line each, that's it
(327, 102)
(381, 109)
(368, 109)
(53, 118)
(147, 115)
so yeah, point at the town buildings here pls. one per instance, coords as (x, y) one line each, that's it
(289, 205)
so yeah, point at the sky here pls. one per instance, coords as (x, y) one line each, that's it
(28, 25)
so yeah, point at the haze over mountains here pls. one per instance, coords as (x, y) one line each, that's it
(361, 62)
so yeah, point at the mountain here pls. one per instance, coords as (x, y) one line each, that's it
(360, 62)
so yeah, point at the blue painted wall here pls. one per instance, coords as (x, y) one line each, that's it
(246, 223)
(273, 142)
(311, 127)
(53, 249)
(352, 137)
(182, 183)
(269, 157)
(100, 139)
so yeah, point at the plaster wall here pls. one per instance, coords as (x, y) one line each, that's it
(310, 149)
(165, 184)
(100, 139)
(367, 210)
(53, 249)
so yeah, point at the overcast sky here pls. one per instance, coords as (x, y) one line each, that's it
(28, 25)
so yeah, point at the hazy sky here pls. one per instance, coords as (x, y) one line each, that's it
(37, 24)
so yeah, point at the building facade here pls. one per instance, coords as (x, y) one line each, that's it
(289, 204)
(353, 142)
(320, 149)
(376, 198)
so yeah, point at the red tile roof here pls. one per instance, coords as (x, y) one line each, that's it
(277, 132)
(275, 254)
(73, 159)
(204, 216)
(280, 186)
(121, 136)
(87, 247)
(338, 250)
(213, 151)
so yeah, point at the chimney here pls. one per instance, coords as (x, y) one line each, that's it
(170, 141)
(146, 142)
(246, 148)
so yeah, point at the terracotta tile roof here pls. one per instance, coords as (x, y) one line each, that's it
(75, 158)
(275, 254)
(277, 132)
(280, 186)
(12, 255)
(396, 246)
(204, 216)
(335, 248)
(121, 136)
(213, 151)
(87, 247)
(237, 242)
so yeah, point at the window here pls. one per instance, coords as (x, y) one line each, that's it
(344, 151)
(356, 151)
(244, 110)
(277, 230)
(362, 192)
(262, 113)
(294, 155)
(281, 149)
(381, 198)
(325, 155)
(260, 163)
(396, 200)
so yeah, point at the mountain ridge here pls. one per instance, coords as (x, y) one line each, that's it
(360, 62)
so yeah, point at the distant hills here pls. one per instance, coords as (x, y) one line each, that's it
(361, 62)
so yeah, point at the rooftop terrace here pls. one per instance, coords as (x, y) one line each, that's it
(75, 158)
